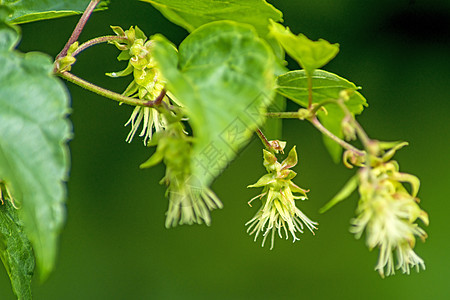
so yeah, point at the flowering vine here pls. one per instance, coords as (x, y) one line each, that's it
(387, 212)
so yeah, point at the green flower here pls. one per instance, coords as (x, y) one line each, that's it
(278, 212)
(387, 213)
(189, 202)
(147, 82)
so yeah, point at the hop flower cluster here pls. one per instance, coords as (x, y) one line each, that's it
(387, 213)
(189, 202)
(146, 85)
(279, 212)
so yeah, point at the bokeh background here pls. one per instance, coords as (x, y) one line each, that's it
(115, 246)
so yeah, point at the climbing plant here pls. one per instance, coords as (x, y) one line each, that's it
(198, 103)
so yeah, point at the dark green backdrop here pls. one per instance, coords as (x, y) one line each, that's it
(115, 246)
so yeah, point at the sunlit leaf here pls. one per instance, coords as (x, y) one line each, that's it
(310, 55)
(34, 158)
(258, 13)
(194, 13)
(223, 74)
(325, 86)
(25, 11)
(15, 251)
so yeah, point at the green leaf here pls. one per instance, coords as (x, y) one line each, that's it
(310, 55)
(195, 13)
(34, 158)
(223, 75)
(15, 251)
(25, 11)
(343, 194)
(325, 86)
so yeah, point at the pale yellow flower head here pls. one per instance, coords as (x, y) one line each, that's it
(278, 213)
(387, 213)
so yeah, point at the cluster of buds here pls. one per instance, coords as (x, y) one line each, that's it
(388, 212)
(278, 212)
(146, 85)
(65, 63)
(189, 202)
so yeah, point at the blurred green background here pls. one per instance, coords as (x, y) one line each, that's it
(115, 246)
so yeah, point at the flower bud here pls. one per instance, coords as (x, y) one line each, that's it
(350, 159)
(277, 145)
(65, 63)
(348, 129)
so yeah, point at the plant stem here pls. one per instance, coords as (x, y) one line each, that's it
(318, 125)
(109, 94)
(318, 106)
(341, 142)
(283, 115)
(99, 40)
(264, 140)
(79, 28)
(158, 99)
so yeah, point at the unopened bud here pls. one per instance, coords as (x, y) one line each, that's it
(277, 145)
(350, 159)
(65, 63)
(348, 129)
(72, 48)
